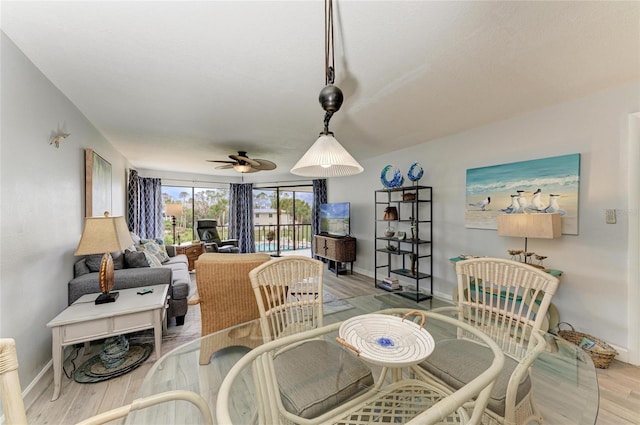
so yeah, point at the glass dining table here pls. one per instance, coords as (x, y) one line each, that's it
(565, 386)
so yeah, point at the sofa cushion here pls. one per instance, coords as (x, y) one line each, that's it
(134, 259)
(334, 382)
(459, 361)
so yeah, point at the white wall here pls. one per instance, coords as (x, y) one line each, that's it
(593, 290)
(42, 204)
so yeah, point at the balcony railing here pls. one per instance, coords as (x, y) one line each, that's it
(292, 237)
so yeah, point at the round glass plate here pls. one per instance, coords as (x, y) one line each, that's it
(387, 340)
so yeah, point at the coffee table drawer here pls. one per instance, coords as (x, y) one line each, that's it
(134, 321)
(113, 325)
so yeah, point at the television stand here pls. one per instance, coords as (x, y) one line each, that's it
(336, 249)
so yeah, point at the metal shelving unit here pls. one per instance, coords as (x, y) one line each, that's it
(391, 253)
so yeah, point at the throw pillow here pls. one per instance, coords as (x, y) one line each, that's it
(152, 247)
(93, 262)
(118, 260)
(80, 268)
(152, 260)
(135, 238)
(134, 259)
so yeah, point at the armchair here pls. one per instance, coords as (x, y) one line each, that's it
(208, 234)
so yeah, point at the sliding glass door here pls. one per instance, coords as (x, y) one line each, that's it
(282, 219)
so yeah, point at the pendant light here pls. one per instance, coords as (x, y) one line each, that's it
(326, 157)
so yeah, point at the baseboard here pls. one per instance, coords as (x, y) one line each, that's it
(28, 395)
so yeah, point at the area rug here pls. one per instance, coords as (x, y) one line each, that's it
(93, 370)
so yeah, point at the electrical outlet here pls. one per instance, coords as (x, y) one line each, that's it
(610, 216)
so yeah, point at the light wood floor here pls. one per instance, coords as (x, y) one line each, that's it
(619, 385)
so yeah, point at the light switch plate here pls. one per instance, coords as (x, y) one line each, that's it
(610, 216)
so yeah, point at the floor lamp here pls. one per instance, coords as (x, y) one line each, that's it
(173, 211)
(536, 225)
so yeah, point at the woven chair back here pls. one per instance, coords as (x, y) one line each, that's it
(288, 292)
(506, 299)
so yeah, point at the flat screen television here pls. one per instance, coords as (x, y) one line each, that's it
(335, 218)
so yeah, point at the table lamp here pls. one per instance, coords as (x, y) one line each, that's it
(537, 225)
(104, 235)
(173, 211)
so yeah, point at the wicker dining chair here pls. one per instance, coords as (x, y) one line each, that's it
(288, 291)
(508, 300)
(226, 299)
(13, 404)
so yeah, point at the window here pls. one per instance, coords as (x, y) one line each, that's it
(197, 203)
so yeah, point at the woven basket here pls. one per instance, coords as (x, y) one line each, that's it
(602, 353)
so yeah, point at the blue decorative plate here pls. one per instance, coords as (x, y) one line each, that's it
(415, 172)
(397, 180)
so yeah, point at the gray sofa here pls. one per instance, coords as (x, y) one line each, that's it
(174, 273)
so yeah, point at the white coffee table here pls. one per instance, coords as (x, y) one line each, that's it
(85, 321)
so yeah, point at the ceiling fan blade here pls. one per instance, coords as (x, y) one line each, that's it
(264, 165)
(225, 167)
(223, 162)
(241, 159)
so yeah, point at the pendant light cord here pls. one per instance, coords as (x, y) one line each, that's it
(329, 52)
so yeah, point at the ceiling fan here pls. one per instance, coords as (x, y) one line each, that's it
(243, 164)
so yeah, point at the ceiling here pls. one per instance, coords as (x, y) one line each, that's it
(171, 84)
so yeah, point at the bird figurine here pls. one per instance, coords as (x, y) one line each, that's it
(55, 140)
(536, 201)
(524, 203)
(482, 204)
(554, 206)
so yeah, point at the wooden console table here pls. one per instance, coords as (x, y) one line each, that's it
(336, 249)
(191, 250)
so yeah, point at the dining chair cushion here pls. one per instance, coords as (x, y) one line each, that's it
(316, 376)
(458, 361)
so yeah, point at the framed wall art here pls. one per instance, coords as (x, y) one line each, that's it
(97, 184)
(536, 186)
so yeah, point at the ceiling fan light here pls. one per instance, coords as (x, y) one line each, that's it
(242, 168)
(326, 158)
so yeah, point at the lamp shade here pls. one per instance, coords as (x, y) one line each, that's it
(173, 209)
(326, 158)
(104, 234)
(541, 226)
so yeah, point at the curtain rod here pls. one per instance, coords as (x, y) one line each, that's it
(301, 182)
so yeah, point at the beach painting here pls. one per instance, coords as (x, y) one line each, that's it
(536, 186)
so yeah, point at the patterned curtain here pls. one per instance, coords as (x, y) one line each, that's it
(319, 197)
(241, 216)
(144, 206)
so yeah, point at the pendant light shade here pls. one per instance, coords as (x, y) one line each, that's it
(326, 158)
